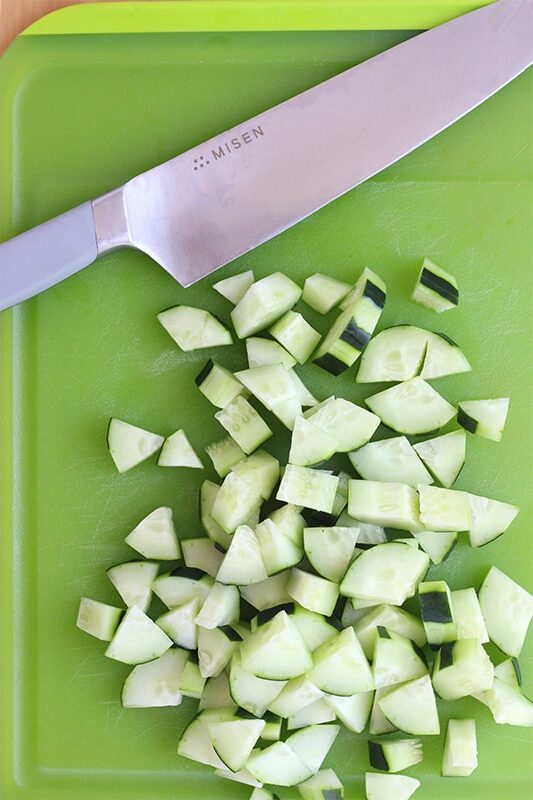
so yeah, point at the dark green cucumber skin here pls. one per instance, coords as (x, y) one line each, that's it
(434, 607)
(188, 572)
(270, 613)
(466, 421)
(230, 633)
(332, 794)
(383, 632)
(446, 655)
(204, 372)
(439, 285)
(331, 364)
(376, 756)
(375, 294)
(355, 336)
(318, 519)
(518, 671)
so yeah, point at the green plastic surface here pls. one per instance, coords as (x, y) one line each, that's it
(81, 115)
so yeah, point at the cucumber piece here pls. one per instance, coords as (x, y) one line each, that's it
(278, 764)
(507, 705)
(509, 672)
(314, 714)
(202, 554)
(396, 659)
(234, 740)
(242, 563)
(437, 544)
(393, 460)
(137, 639)
(182, 585)
(389, 787)
(155, 684)
(192, 682)
(243, 776)
(155, 536)
(352, 329)
(277, 550)
(290, 522)
(507, 609)
(296, 695)
(323, 293)
(268, 593)
(444, 509)
(312, 591)
(261, 470)
(179, 623)
(129, 445)
(341, 495)
(98, 619)
(177, 451)
(250, 692)
(133, 581)
(225, 454)
(194, 328)
(460, 748)
(387, 573)
(394, 505)
(301, 391)
(216, 648)
(369, 285)
(461, 668)
(309, 444)
(489, 519)
(271, 384)
(312, 744)
(324, 785)
(263, 794)
(436, 610)
(221, 607)
(443, 357)
(276, 650)
(412, 407)
(444, 456)
(379, 724)
(288, 410)
(353, 711)
(368, 535)
(412, 707)
(244, 424)
(263, 303)
(262, 352)
(350, 425)
(330, 550)
(340, 666)
(195, 743)
(296, 335)
(467, 615)
(216, 693)
(435, 288)
(396, 755)
(392, 618)
(308, 487)
(218, 384)
(485, 418)
(235, 287)
(236, 501)
(395, 354)
(208, 494)
(272, 729)
(314, 628)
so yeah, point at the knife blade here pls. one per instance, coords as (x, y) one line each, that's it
(202, 209)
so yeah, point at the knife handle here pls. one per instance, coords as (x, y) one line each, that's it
(46, 254)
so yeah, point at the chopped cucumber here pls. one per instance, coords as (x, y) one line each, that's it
(324, 785)
(218, 384)
(444, 456)
(196, 744)
(312, 744)
(412, 707)
(182, 585)
(235, 287)
(312, 591)
(276, 650)
(314, 628)
(378, 724)
(155, 536)
(444, 509)
(323, 293)
(395, 619)
(192, 682)
(225, 454)
(387, 573)
(389, 787)
(277, 550)
(309, 444)
(242, 564)
(133, 581)
(443, 357)
(340, 666)
(272, 730)
(485, 418)
(509, 672)
(353, 711)
(155, 684)
(314, 714)
(193, 328)
(278, 764)
(393, 505)
(302, 393)
(263, 303)
(507, 609)
(460, 748)
(98, 619)
(394, 756)
(179, 623)
(271, 384)
(350, 425)
(395, 354)
(507, 705)
(261, 470)
(461, 668)
(202, 554)
(435, 288)
(129, 445)
(330, 550)
(412, 407)
(393, 460)
(262, 352)
(489, 519)
(216, 693)
(244, 424)
(437, 612)
(221, 607)
(254, 694)
(137, 639)
(234, 740)
(296, 695)
(177, 451)
(467, 615)
(308, 487)
(208, 494)
(290, 522)
(396, 659)
(216, 648)
(268, 593)
(369, 285)
(296, 335)
(437, 544)
(236, 501)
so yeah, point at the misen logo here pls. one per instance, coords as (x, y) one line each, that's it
(229, 147)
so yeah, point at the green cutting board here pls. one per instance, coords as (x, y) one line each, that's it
(83, 112)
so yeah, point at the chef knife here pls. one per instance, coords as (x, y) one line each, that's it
(207, 206)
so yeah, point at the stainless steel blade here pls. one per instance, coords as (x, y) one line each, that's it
(211, 204)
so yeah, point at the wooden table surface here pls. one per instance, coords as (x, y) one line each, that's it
(15, 15)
